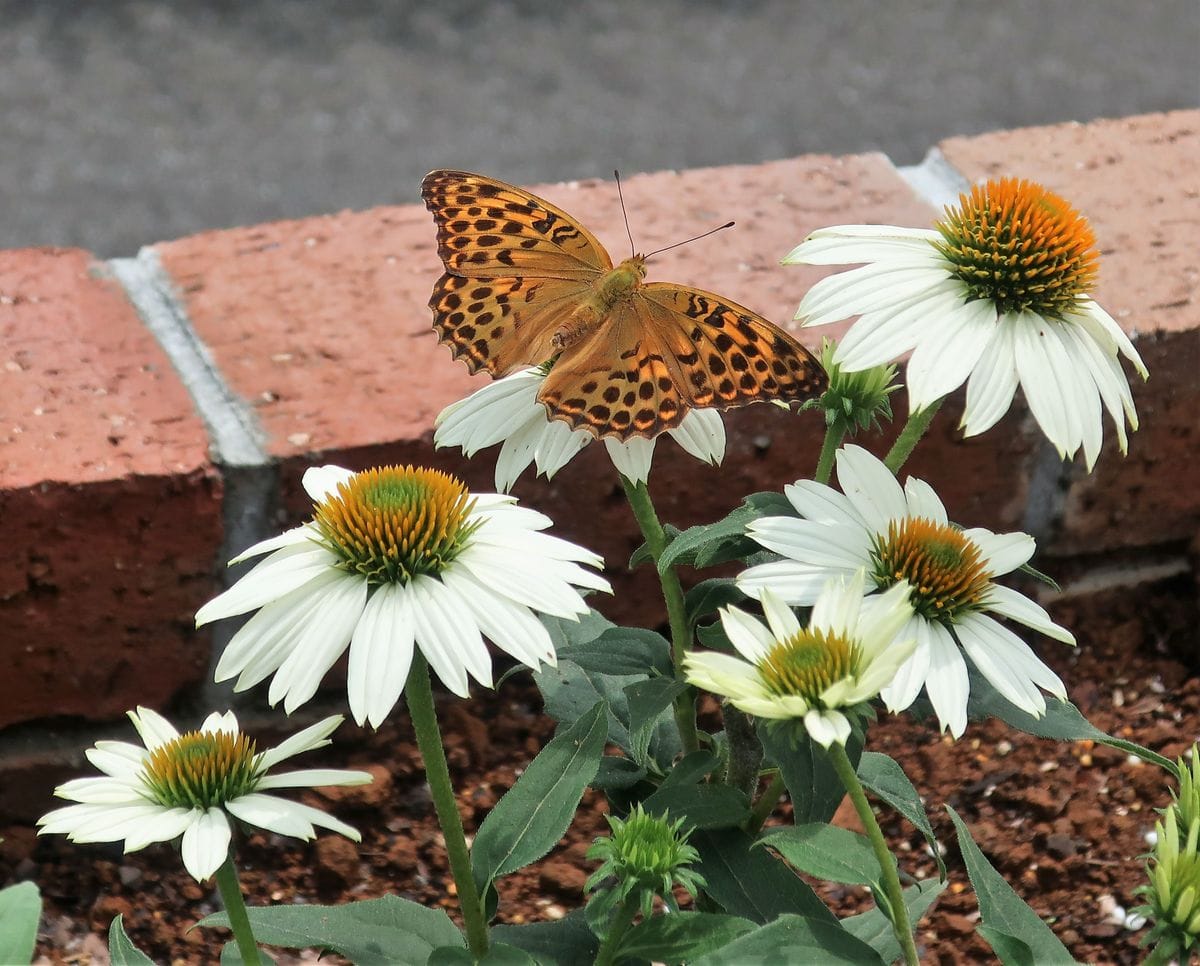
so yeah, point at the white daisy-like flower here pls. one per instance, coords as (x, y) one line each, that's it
(396, 558)
(189, 785)
(851, 648)
(995, 296)
(904, 534)
(507, 411)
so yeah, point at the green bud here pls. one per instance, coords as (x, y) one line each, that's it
(856, 401)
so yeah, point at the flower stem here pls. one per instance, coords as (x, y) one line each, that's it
(766, 804)
(616, 932)
(656, 542)
(887, 862)
(437, 773)
(235, 908)
(913, 430)
(834, 434)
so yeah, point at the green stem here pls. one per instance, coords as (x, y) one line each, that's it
(745, 750)
(681, 638)
(907, 441)
(834, 434)
(766, 804)
(437, 773)
(887, 862)
(235, 908)
(1163, 953)
(616, 932)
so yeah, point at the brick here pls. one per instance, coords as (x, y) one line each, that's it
(323, 325)
(109, 509)
(1134, 179)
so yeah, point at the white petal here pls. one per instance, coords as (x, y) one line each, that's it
(993, 383)
(866, 289)
(632, 458)
(850, 244)
(947, 683)
(166, 825)
(533, 582)
(281, 573)
(1002, 553)
(923, 502)
(797, 584)
(448, 636)
(95, 790)
(702, 435)
(832, 546)
(1009, 663)
(319, 644)
(118, 759)
(320, 482)
(1015, 606)
(519, 450)
(1093, 309)
(511, 627)
(885, 334)
(780, 618)
(218, 721)
(283, 814)
(821, 503)
(746, 634)
(152, 727)
(314, 736)
(838, 607)
(305, 533)
(558, 446)
(205, 844)
(723, 674)
(381, 651)
(910, 677)
(1045, 377)
(947, 352)
(826, 727)
(315, 778)
(871, 487)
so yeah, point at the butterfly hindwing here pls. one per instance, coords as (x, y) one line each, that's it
(728, 355)
(489, 229)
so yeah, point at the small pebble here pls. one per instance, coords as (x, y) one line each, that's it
(1003, 747)
(1134, 921)
(1151, 838)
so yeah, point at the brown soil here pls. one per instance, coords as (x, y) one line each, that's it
(1064, 823)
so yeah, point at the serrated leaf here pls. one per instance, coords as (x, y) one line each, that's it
(794, 939)
(886, 779)
(621, 651)
(710, 543)
(826, 851)
(388, 931)
(752, 883)
(708, 596)
(20, 911)
(563, 943)
(1003, 911)
(700, 806)
(536, 812)
(813, 785)
(875, 929)
(681, 936)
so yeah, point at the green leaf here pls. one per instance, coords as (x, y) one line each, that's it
(794, 939)
(616, 772)
(884, 776)
(826, 851)
(20, 910)
(710, 543)
(700, 806)
(564, 632)
(648, 700)
(388, 931)
(1062, 721)
(621, 650)
(813, 785)
(692, 769)
(751, 882)
(1003, 911)
(708, 596)
(563, 943)
(1009, 949)
(535, 813)
(875, 929)
(498, 954)
(713, 636)
(569, 692)
(642, 554)
(681, 936)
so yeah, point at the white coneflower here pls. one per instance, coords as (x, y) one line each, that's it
(188, 786)
(396, 558)
(905, 535)
(997, 296)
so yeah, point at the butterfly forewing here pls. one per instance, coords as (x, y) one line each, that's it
(489, 229)
(500, 324)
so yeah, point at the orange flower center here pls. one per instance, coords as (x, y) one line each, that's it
(945, 569)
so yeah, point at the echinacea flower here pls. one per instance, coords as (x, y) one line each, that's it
(189, 785)
(507, 411)
(997, 295)
(851, 648)
(396, 558)
(905, 535)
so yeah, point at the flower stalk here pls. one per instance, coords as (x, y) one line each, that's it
(235, 908)
(429, 739)
(656, 542)
(916, 427)
(897, 912)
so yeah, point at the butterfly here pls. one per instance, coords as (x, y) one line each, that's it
(525, 283)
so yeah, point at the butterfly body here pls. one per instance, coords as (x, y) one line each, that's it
(525, 284)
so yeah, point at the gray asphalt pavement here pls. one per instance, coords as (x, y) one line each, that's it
(129, 121)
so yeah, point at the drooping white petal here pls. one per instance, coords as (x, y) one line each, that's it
(519, 450)
(205, 844)
(535, 583)
(910, 677)
(1009, 663)
(165, 825)
(99, 791)
(702, 435)
(885, 334)
(448, 636)
(282, 572)
(1016, 606)
(871, 487)
(947, 683)
(826, 727)
(1094, 310)
(993, 382)
(511, 627)
(289, 814)
(1040, 367)
(947, 353)
(632, 458)
(381, 651)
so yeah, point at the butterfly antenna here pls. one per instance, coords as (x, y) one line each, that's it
(688, 241)
(624, 213)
